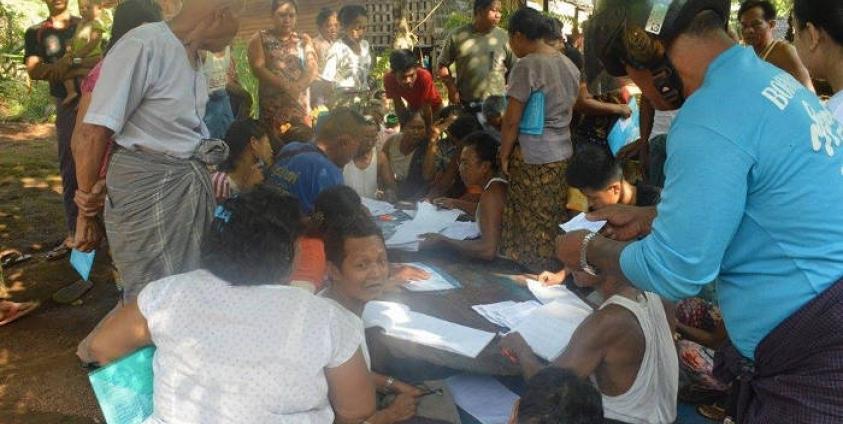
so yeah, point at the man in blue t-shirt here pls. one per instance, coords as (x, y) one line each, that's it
(754, 187)
(305, 169)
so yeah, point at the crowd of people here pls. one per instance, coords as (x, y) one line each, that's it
(246, 256)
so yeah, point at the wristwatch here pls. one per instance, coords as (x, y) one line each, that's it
(586, 267)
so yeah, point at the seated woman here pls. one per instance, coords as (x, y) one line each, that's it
(249, 153)
(230, 345)
(359, 268)
(334, 204)
(407, 152)
(444, 166)
(478, 167)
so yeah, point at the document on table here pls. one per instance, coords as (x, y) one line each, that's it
(580, 222)
(547, 294)
(399, 321)
(549, 329)
(462, 230)
(428, 219)
(378, 207)
(483, 397)
(507, 314)
(439, 280)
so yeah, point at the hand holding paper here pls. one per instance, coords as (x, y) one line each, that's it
(580, 222)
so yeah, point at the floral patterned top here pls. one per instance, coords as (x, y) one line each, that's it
(289, 58)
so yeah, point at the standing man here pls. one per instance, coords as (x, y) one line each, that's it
(151, 98)
(481, 55)
(408, 82)
(754, 184)
(757, 19)
(45, 60)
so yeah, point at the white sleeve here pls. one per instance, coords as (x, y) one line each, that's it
(329, 72)
(346, 335)
(122, 85)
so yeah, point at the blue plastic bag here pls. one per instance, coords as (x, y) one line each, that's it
(532, 120)
(83, 262)
(626, 131)
(124, 388)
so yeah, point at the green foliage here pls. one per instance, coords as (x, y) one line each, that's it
(19, 100)
(239, 52)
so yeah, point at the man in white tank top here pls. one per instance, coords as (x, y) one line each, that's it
(625, 347)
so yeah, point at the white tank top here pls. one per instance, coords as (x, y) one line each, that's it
(363, 181)
(652, 397)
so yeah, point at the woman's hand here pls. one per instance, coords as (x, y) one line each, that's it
(552, 278)
(403, 274)
(402, 408)
(401, 387)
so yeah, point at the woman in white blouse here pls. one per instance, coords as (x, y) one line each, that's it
(233, 344)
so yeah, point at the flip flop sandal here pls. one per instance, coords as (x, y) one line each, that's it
(18, 311)
(13, 258)
(58, 252)
(69, 294)
(712, 412)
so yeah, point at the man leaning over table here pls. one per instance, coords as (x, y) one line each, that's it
(754, 184)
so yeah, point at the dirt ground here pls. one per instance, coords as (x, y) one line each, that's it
(41, 380)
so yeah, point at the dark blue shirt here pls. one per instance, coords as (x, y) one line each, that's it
(303, 171)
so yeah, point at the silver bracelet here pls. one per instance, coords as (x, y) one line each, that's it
(389, 382)
(586, 267)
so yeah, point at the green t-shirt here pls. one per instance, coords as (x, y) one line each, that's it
(482, 61)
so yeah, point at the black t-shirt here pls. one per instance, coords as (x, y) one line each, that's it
(572, 53)
(50, 44)
(647, 195)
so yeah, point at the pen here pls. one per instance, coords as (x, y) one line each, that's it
(429, 392)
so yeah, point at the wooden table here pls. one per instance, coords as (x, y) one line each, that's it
(482, 283)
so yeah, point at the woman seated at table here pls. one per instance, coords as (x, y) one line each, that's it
(228, 336)
(407, 152)
(478, 167)
(359, 269)
(249, 154)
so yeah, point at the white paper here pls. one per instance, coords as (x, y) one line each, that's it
(462, 230)
(580, 222)
(428, 219)
(399, 321)
(547, 294)
(436, 282)
(377, 207)
(483, 397)
(506, 314)
(549, 329)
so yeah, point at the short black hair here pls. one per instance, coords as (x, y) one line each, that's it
(409, 115)
(253, 238)
(449, 110)
(324, 14)
(704, 23)
(277, 3)
(401, 61)
(485, 145)
(131, 14)
(494, 106)
(353, 226)
(556, 395)
(824, 14)
(532, 24)
(593, 168)
(770, 12)
(481, 5)
(339, 122)
(334, 203)
(300, 133)
(350, 12)
(238, 136)
(558, 32)
(463, 126)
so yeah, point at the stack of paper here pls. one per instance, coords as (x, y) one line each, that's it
(580, 222)
(485, 398)
(549, 328)
(399, 321)
(462, 230)
(438, 280)
(377, 207)
(428, 219)
(547, 294)
(506, 314)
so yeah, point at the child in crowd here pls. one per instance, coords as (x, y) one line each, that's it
(408, 152)
(555, 396)
(493, 109)
(625, 346)
(536, 141)
(369, 173)
(86, 43)
(349, 60)
(249, 155)
(478, 167)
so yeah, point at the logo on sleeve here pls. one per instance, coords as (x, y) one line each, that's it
(826, 133)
